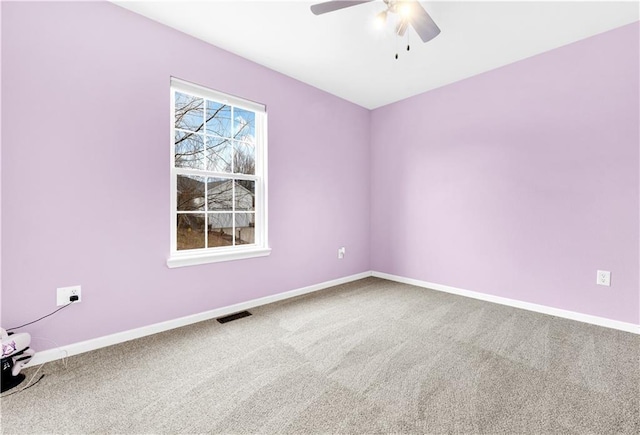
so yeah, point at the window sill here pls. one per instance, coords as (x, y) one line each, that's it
(182, 260)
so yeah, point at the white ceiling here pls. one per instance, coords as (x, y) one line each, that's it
(344, 54)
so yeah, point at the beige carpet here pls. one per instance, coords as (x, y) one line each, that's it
(371, 356)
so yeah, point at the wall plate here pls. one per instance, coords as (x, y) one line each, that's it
(64, 293)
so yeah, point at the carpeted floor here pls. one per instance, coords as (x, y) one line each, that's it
(370, 356)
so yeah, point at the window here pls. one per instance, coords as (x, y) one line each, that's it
(218, 176)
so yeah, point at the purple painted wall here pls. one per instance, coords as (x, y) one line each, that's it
(520, 182)
(85, 173)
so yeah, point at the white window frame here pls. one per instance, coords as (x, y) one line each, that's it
(215, 254)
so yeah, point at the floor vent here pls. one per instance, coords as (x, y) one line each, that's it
(235, 316)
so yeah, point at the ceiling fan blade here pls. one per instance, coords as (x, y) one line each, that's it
(422, 23)
(323, 8)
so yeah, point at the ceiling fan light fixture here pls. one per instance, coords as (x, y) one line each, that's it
(404, 9)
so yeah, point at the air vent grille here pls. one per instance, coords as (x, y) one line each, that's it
(235, 316)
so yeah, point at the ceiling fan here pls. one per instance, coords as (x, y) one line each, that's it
(411, 13)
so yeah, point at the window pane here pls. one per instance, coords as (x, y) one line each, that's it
(219, 194)
(190, 234)
(245, 195)
(218, 119)
(219, 180)
(244, 125)
(190, 193)
(220, 229)
(189, 150)
(218, 155)
(245, 228)
(189, 112)
(244, 158)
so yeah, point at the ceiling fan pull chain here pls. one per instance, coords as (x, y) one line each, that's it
(408, 46)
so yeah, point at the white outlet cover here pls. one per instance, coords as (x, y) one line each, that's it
(603, 278)
(341, 252)
(64, 293)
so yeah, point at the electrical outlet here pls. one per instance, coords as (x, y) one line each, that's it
(603, 278)
(341, 252)
(64, 294)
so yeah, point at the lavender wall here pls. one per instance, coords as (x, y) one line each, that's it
(520, 182)
(85, 173)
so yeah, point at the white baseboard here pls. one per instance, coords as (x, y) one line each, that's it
(586, 318)
(121, 337)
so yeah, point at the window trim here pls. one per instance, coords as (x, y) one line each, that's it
(210, 255)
